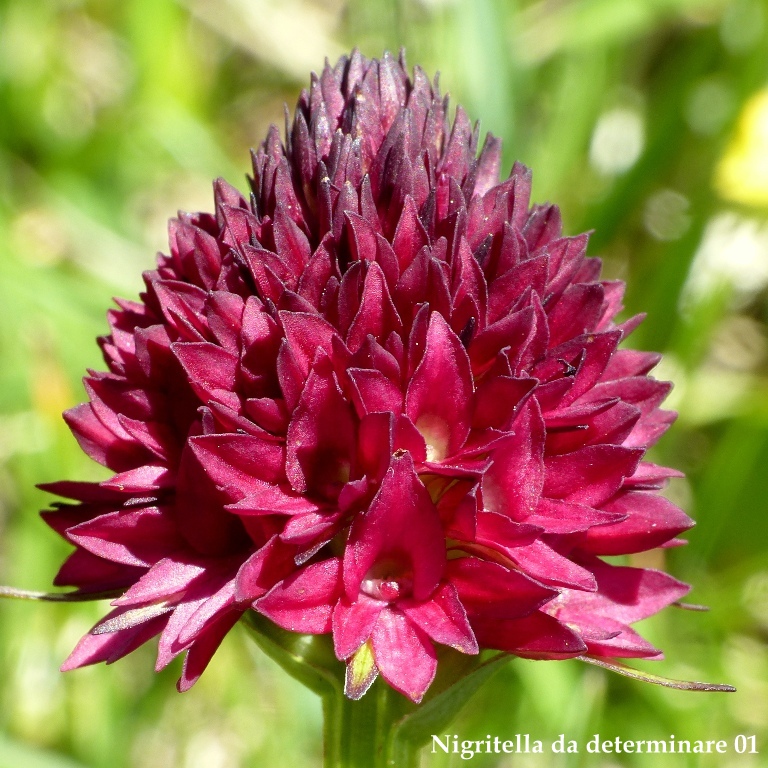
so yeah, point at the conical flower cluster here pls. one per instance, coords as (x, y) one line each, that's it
(382, 399)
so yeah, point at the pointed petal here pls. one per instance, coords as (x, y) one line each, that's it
(263, 569)
(625, 594)
(544, 564)
(321, 437)
(139, 537)
(167, 578)
(239, 461)
(537, 636)
(590, 475)
(113, 646)
(404, 655)
(651, 520)
(443, 618)
(493, 591)
(201, 652)
(444, 421)
(304, 602)
(353, 623)
(513, 484)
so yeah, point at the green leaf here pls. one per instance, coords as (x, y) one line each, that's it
(436, 713)
(306, 658)
(58, 597)
(648, 677)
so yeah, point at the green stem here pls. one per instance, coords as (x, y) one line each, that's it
(356, 734)
(383, 728)
(362, 734)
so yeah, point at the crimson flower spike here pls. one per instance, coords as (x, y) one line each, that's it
(380, 399)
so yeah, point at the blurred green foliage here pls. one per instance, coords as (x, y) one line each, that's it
(646, 120)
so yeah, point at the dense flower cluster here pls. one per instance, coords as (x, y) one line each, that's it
(383, 399)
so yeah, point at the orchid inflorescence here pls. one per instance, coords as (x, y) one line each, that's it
(382, 399)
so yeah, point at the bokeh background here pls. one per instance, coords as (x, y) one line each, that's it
(646, 120)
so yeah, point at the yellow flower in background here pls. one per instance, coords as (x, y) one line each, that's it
(742, 175)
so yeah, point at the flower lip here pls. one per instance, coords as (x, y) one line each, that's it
(390, 579)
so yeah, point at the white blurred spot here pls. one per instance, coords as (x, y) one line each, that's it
(290, 35)
(617, 141)
(209, 750)
(733, 252)
(666, 215)
(739, 343)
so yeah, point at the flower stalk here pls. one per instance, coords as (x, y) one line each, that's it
(382, 728)
(356, 733)
(364, 733)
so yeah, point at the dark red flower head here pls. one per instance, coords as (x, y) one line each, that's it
(380, 398)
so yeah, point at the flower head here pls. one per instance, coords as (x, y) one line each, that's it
(381, 399)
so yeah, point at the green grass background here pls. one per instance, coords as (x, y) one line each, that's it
(646, 120)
